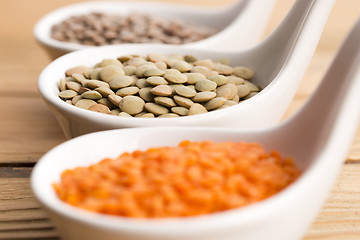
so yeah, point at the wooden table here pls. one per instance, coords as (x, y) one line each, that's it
(28, 128)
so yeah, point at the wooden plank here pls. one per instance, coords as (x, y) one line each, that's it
(26, 225)
(15, 171)
(27, 129)
(20, 214)
(340, 217)
(15, 198)
(36, 234)
(20, 72)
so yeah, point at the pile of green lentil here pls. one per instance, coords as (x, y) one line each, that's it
(157, 85)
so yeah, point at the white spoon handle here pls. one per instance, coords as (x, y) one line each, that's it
(300, 29)
(247, 21)
(332, 114)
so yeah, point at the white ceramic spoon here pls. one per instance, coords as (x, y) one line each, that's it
(317, 138)
(279, 63)
(240, 24)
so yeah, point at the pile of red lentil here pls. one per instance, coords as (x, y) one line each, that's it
(193, 178)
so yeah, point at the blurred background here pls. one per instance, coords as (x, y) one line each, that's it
(22, 57)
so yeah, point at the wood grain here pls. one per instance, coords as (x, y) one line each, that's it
(20, 215)
(339, 219)
(28, 129)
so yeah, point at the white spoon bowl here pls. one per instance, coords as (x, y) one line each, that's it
(243, 18)
(279, 64)
(317, 138)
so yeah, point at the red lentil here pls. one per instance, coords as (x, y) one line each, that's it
(193, 178)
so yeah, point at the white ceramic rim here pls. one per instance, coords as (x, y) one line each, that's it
(43, 27)
(222, 220)
(49, 90)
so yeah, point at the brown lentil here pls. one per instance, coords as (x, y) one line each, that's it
(95, 29)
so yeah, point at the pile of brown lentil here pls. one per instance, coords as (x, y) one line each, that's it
(96, 29)
(157, 86)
